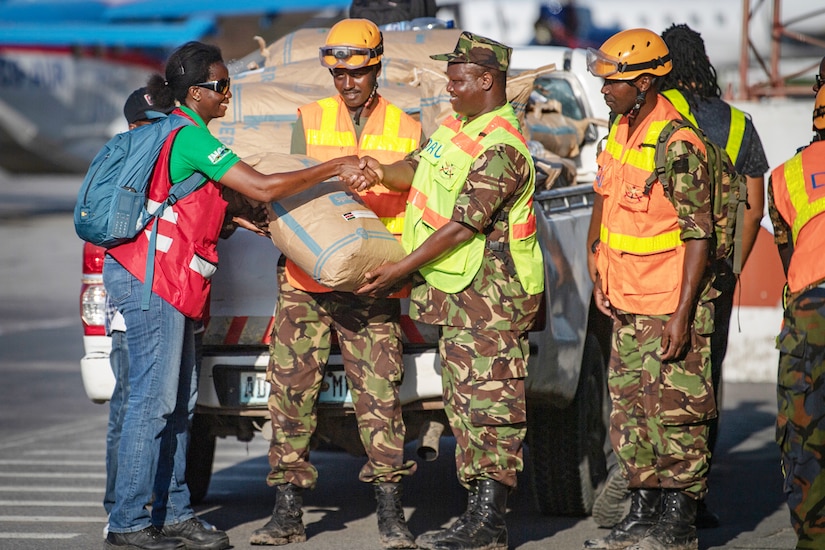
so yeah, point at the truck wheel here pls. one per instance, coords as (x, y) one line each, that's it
(199, 458)
(566, 446)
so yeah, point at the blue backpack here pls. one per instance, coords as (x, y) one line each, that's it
(111, 203)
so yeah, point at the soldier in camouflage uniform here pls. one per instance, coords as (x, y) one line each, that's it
(652, 253)
(368, 329)
(796, 197)
(470, 234)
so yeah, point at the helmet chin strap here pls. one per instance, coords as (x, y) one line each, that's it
(640, 99)
(356, 116)
(634, 111)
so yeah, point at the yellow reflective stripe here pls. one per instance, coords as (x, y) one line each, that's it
(326, 135)
(612, 146)
(805, 210)
(736, 133)
(389, 140)
(640, 245)
(394, 225)
(645, 157)
(678, 100)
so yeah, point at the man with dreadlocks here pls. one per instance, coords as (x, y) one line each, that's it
(357, 121)
(652, 251)
(693, 89)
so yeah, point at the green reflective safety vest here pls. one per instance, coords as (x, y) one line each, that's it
(443, 168)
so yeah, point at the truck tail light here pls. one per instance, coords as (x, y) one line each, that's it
(92, 293)
(93, 259)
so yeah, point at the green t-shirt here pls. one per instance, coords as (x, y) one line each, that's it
(197, 150)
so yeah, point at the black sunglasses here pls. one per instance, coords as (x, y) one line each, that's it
(819, 80)
(221, 86)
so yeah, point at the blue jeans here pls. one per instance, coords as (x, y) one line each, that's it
(119, 361)
(154, 433)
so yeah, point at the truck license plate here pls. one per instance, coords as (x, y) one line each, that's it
(255, 388)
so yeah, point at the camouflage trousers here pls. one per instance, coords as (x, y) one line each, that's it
(369, 336)
(800, 423)
(660, 410)
(483, 383)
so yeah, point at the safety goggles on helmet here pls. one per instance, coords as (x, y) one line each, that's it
(606, 66)
(221, 86)
(350, 57)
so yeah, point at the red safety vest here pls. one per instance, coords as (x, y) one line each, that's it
(186, 256)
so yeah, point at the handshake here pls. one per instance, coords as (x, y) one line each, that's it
(360, 174)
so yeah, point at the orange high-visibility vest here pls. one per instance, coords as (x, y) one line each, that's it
(641, 255)
(799, 195)
(388, 136)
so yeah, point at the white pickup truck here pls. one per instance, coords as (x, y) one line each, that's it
(566, 387)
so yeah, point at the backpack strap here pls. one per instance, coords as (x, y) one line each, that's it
(660, 156)
(740, 222)
(176, 193)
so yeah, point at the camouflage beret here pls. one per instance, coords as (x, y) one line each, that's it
(472, 48)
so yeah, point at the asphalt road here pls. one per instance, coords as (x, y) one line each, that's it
(52, 438)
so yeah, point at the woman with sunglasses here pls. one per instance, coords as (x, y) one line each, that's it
(163, 372)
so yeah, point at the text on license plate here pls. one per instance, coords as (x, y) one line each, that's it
(255, 389)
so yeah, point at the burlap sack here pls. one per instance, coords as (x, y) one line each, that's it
(300, 45)
(557, 133)
(418, 46)
(303, 44)
(327, 231)
(254, 102)
(247, 139)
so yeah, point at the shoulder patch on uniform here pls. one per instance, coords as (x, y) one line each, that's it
(219, 153)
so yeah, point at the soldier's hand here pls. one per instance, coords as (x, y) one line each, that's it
(602, 303)
(381, 281)
(675, 338)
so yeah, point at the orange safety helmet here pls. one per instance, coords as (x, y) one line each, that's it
(819, 110)
(629, 54)
(352, 44)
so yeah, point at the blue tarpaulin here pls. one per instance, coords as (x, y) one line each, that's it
(138, 24)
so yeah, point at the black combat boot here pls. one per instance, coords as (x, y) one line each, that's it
(675, 529)
(484, 527)
(392, 527)
(285, 526)
(196, 536)
(146, 539)
(428, 539)
(645, 509)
